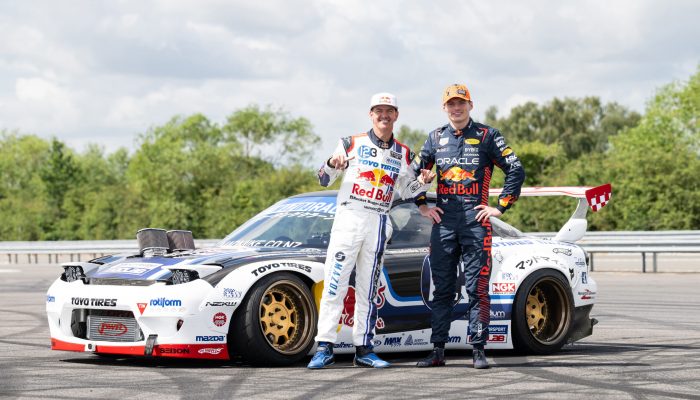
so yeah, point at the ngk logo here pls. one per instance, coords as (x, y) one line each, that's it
(503, 287)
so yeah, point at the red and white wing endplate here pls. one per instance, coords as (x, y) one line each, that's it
(598, 197)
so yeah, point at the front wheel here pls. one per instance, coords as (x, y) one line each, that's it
(542, 313)
(275, 325)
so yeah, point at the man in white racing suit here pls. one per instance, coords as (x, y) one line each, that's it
(376, 166)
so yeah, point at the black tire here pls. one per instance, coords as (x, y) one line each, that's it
(276, 324)
(542, 313)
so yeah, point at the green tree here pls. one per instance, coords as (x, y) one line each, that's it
(271, 134)
(24, 208)
(413, 138)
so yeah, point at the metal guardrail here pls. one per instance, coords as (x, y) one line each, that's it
(642, 242)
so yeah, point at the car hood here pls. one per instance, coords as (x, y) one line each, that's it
(156, 268)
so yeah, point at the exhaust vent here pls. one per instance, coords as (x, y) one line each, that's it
(152, 242)
(180, 240)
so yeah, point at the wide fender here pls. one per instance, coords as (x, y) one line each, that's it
(229, 293)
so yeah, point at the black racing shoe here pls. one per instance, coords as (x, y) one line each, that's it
(435, 359)
(480, 359)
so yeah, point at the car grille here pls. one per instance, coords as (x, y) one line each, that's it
(113, 328)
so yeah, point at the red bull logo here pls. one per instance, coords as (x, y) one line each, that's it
(457, 174)
(459, 189)
(377, 177)
(347, 317)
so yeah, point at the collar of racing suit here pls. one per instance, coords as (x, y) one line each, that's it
(379, 142)
(451, 129)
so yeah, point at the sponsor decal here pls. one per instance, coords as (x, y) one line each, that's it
(410, 341)
(265, 243)
(580, 262)
(497, 334)
(509, 276)
(457, 174)
(221, 304)
(322, 206)
(587, 294)
(507, 151)
(454, 339)
(219, 338)
(219, 319)
(375, 193)
(511, 158)
(571, 273)
(457, 160)
(269, 267)
(472, 141)
(503, 287)
(50, 299)
(172, 350)
(347, 316)
(396, 155)
(500, 142)
(131, 268)
(163, 302)
(142, 307)
(89, 301)
(566, 252)
(498, 256)
(458, 188)
(340, 256)
(112, 329)
(500, 312)
(366, 151)
(534, 260)
(584, 278)
(443, 141)
(232, 293)
(376, 343)
(393, 341)
(343, 345)
(210, 350)
(335, 279)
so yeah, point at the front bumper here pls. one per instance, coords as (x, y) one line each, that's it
(582, 324)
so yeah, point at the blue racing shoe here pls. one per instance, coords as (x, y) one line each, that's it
(365, 357)
(323, 357)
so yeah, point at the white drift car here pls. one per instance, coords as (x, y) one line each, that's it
(255, 295)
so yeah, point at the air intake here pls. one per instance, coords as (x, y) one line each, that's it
(180, 240)
(152, 242)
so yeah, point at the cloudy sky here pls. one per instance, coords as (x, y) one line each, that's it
(104, 71)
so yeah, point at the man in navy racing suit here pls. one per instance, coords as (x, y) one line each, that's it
(464, 153)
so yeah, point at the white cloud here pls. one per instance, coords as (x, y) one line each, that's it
(103, 72)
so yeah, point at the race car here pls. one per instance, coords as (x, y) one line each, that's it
(255, 295)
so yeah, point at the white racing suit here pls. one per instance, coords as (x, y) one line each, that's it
(360, 229)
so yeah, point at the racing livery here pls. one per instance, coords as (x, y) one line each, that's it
(255, 294)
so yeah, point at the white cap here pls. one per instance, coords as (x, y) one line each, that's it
(386, 99)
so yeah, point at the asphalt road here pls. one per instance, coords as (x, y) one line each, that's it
(647, 345)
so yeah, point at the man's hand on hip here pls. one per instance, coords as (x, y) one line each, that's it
(486, 212)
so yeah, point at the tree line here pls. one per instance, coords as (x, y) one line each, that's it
(192, 173)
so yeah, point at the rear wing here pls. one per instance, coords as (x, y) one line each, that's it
(593, 197)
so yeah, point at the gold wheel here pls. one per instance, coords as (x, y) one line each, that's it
(537, 311)
(286, 317)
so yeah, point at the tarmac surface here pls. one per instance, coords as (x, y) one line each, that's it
(646, 345)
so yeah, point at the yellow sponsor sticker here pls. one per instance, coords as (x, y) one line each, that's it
(507, 151)
(472, 141)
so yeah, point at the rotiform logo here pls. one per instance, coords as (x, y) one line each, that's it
(163, 302)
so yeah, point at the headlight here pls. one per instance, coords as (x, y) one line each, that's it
(183, 276)
(72, 273)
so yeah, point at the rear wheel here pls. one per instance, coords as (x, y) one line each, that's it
(275, 325)
(542, 313)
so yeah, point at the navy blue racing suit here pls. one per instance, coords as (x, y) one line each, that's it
(464, 162)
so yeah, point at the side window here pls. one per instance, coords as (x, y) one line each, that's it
(410, 228)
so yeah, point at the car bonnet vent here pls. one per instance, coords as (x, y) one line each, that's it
(152, 242)
(180, 240)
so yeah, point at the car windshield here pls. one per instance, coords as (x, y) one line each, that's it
(294, 222)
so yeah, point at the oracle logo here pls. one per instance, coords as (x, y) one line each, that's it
(112, 329)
